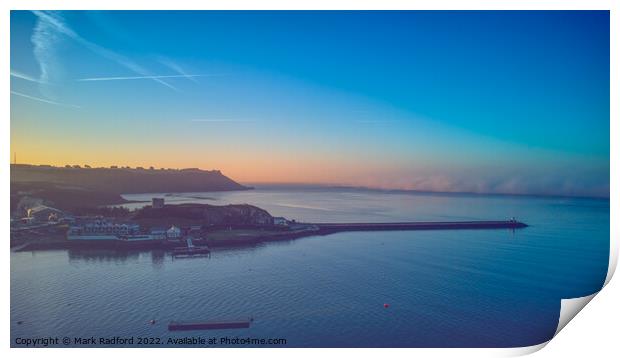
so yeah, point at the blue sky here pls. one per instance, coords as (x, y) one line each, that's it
(510, 102)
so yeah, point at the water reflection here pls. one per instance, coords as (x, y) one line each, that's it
(444, 288)
(157, 257)
(101, 255)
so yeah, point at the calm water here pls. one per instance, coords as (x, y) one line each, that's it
(487, 288)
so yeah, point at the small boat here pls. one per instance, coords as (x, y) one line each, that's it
(190, 326)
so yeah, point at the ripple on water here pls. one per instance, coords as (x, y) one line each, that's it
(444, 288)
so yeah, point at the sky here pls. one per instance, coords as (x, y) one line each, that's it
(512, 102)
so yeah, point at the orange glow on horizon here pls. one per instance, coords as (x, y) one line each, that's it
(260, 167)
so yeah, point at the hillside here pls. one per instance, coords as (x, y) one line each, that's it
(203, 214)
(25, 195)
(125, 180)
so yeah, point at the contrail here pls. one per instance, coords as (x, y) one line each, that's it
(222, 120)
(137, 77)
(44, 100)
(23, 76)
(49, 25)
(176, 68)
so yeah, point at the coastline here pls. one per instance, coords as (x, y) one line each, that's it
(314, 229)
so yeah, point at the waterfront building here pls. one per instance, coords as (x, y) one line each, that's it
(100, 229)
(173, 233)
(280, 221)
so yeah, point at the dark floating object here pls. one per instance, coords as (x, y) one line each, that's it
(189, 326)
(20, 322)
(152, 321)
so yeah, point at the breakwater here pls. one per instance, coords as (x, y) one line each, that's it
(303, 230)
(329, 228)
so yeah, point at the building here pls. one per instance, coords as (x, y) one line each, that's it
(280, 221)
(173, 233)
(100, 229)
(159, 233)
(158, 203)
(41, 213)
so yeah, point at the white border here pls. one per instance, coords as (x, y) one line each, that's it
(597, 327)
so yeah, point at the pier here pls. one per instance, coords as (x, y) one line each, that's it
(253, 236)
(328, 228)
(190, 250)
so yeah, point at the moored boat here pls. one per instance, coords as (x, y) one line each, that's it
(189, 326)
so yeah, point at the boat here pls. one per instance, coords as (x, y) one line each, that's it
(190, 326)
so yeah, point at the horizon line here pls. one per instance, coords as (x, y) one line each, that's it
(418, 191)
(325, 185)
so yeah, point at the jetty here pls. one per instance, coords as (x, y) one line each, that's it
(329, 228)
(230, 236)
(190, 326)
(190, 250)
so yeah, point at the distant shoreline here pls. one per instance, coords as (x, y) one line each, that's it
(310, 186)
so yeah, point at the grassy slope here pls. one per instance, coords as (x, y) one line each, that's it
(62, 197)
(127, 180)
(73, 188)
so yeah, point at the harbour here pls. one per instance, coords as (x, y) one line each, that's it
(317, 288)
(180, 240)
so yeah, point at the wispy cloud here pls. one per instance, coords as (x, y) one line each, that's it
(45, 39)
(371, 121)
(138, 77)
(222, 120)
(175, 67)
(50, 26)
(43, 100)
(25, 77)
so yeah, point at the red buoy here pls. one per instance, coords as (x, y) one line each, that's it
(385, 305)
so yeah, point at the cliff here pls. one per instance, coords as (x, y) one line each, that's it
(125, 180)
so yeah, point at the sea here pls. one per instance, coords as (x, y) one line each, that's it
(459, 288)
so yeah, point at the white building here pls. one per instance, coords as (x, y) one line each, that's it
(105, 227)
(102, 230)
(173, 233)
